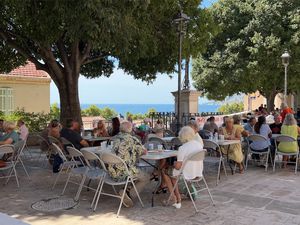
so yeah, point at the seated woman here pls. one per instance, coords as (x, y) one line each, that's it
(192, 170)
(11, 136)
(234, 151)
(115, 129)
(290, 128)
(100, 130)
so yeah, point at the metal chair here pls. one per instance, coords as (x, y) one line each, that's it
(66, 165)
(287, 139)
(19, 147)
(215, 148)
(10, 165)
(266, 151)
(94, 171)
(111, 159)
(66, 142)
(169, 133)
(198, 156)
(157, 141)
(175, 143)
(76, 156)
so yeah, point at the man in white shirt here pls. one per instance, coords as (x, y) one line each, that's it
(23, 130)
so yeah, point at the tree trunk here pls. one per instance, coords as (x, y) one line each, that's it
(270, 100)
(69, 100)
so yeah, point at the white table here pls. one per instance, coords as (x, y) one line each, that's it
(91, 138)
(227, 142)
(8, 220)
(156, 155)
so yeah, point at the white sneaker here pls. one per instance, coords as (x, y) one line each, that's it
(177, 205)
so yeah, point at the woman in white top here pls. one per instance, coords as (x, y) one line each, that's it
(194, 125)
(192, 169)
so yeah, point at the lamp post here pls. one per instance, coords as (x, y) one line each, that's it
(285, 61)
(181, 20)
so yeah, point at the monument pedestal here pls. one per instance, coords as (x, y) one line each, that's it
(189, 101)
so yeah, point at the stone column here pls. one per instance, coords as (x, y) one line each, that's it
(189, 101)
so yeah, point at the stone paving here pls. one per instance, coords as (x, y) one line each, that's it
(256, 197)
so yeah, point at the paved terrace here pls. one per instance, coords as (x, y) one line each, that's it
(255, 197)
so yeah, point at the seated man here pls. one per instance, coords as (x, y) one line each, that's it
(11, 136)
(128, 148)
(210, 125)
(23, 130)
(72, 134)
(276, 126)
(250, 125)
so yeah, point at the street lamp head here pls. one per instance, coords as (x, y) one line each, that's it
(285, 58)
(181, 17)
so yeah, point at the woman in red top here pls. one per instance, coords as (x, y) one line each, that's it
(285, 110)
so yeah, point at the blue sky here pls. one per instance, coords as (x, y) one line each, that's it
(123, 88)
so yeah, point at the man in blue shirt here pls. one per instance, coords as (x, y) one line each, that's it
(250, 125)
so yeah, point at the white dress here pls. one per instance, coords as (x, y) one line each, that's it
(192, 169)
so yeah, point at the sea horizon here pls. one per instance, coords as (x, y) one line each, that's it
(136, 108)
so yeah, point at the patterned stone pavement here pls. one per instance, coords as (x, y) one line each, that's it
(256, 197)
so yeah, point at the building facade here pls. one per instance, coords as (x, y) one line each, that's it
(254, 100)
(25, 88)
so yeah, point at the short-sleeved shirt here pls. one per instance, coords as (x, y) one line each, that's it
(249, 128)
(192, 169)
(212, 127)
(13, 135)
(72, 136)
(260, 145)
(128, 148)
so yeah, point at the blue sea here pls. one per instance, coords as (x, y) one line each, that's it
(143, 108)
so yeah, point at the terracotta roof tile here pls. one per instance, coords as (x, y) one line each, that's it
(29, 70)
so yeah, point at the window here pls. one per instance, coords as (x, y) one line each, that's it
(6, 100)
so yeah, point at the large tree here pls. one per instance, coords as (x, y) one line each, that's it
(69, 38)
(245, 55)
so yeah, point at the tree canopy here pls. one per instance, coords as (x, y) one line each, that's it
(245, 55)
(67, 38)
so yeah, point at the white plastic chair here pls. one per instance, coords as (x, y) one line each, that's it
(267, 151)
(66, 165)
(199, 156)
(10, 164)
(93, 171)
(211, 145)
(287, 139)
(112, 159)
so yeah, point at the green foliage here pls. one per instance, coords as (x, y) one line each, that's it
(230, 108)
(93, 110)
(35, 122)
(245, 55)
(67, 38)
(137, 116)
(108, 113)
(54, 110)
